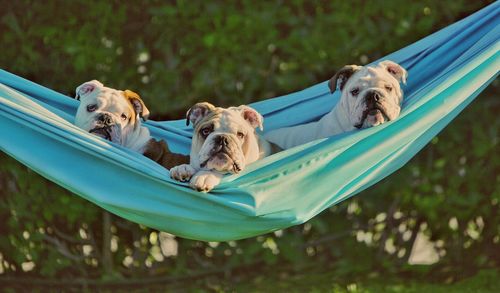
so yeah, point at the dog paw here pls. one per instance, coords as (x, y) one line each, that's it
(182, 172)
(205, 181)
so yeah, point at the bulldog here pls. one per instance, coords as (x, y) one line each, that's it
(370, 96)
(116, 115)
(224, 141)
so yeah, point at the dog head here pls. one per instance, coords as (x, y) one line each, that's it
(370, 95)
(224, 139)
(112, 114)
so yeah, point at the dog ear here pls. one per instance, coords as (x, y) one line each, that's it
(198, 111)
(395, 70)
(87, 88)
(137, 103)
(342, 76)
(252, 116)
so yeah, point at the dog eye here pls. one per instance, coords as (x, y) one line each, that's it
(240, 135)
(206, 131)
(91, 108)
(124, 117)
(388, 88)
(355, 91)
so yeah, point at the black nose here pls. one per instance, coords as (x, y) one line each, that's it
(373, 97)
(105, 119)
(221, 140)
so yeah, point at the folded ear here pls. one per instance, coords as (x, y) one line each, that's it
(87, 88)
(137, 103)
(198, 111)
(252, 116)
(395, 70)
(340, 78)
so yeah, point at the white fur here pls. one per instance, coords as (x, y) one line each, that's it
(228, 122)
(349, 110)
(114, 103)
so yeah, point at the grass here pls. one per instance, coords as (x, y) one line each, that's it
(312, 282)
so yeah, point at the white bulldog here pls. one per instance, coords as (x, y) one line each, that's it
(224, 141)
(370, 96)
(115, 115)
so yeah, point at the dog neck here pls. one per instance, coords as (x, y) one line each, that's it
(138, 140)
(267, 148)
(336, 121)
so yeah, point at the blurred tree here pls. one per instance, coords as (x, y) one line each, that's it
(175, 54)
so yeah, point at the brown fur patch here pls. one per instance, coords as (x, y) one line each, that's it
(158, 151)
(136, 104)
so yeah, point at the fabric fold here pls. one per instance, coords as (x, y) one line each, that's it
(447, 70)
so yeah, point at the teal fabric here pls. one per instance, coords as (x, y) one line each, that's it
(447, 70)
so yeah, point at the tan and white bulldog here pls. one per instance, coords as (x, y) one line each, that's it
(116, 115)
(224, 141)
(370, 96)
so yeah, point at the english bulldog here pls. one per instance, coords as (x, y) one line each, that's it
(370, 96)
(224, 141)
(116, 115)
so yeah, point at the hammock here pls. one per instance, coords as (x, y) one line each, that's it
(447, 70)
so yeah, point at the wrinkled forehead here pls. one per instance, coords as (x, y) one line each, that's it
(372, 77)
(110, 99)
(224, 120)
(110, 94)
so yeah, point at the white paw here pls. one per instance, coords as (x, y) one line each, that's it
(182, 172)
(205, 181)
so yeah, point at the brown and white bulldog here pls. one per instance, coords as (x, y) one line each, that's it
(224, 141)
(370, 96)
(116, 115)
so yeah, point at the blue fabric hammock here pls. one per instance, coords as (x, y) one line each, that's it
(447, 70)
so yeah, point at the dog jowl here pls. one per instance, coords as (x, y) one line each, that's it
(369, 96)
(116, 115)
(224, 141)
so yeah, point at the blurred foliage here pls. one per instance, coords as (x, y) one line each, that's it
(175, 54)
(320, 280)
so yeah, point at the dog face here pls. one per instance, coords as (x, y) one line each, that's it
(370, 95)
(224, 139)
(114, 115)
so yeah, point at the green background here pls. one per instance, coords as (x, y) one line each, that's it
(177, 53)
